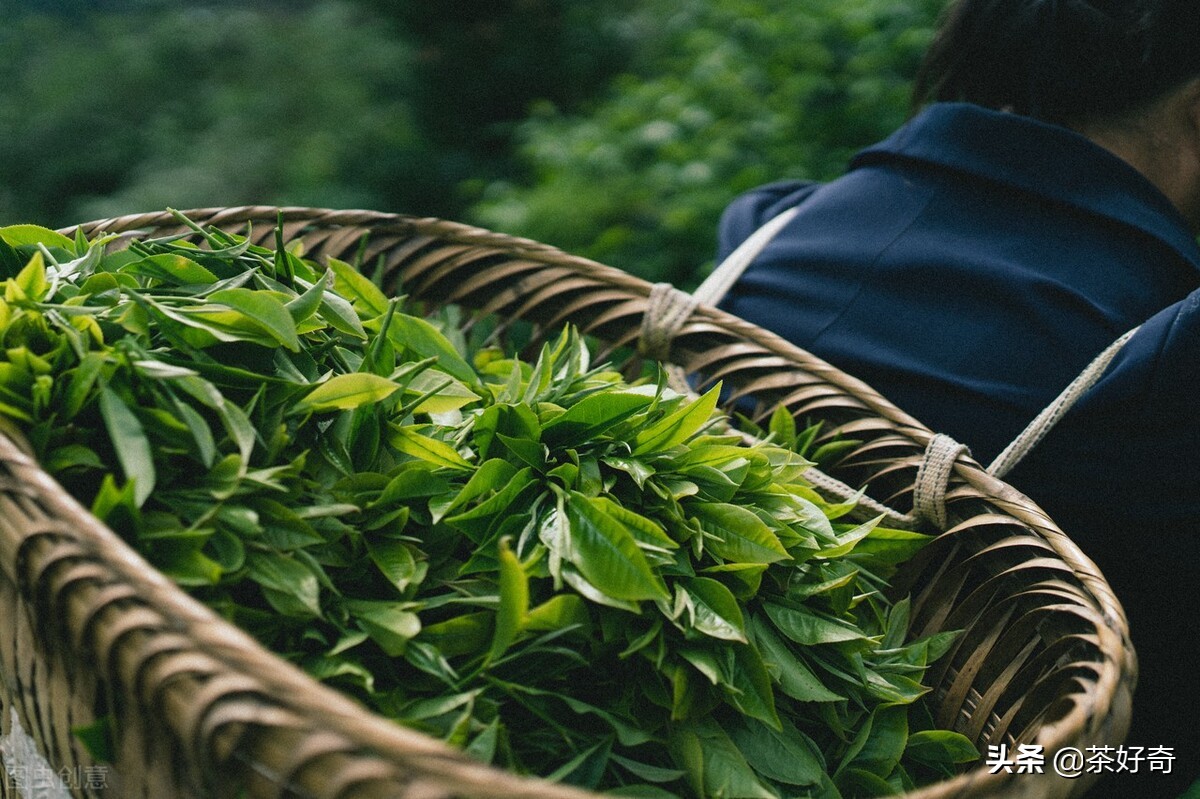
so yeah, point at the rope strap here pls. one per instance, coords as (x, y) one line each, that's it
(717, 285)
(666, 310)
(865, 507)
(1056, 410)
(933, 478)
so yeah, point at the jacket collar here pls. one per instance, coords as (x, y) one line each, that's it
(1040, 158)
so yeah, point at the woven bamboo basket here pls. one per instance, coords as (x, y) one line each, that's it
(204, 711)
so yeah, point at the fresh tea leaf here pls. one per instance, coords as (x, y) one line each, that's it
(605, 552)
(129, 440)
(25, 235)
(288, 576)
(678, 426)
(346, 392)
(514, 601)
(362, 293)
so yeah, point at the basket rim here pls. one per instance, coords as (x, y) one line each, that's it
(346, 717)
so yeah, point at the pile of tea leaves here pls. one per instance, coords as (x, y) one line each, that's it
(561, 572)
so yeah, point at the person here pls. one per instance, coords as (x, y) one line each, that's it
(1042, 200)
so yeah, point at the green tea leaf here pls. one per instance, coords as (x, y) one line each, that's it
(592, 416)
(646, 531)
(714, 764)
(23, 235)
(72, 456)
(748, 686)
(178, 270)
(896, 688)
(848, 540)
(940, 747)
(810, 629)
(738, 535)
(206, 447)
(860, 782)
(792, 674)
(885, 745)
(129, 440)
(491, 475)
(585, 768)
(514, 602)
(897, 624)
(410, 442)
(265, 310)
(483, 746)
(468, 634)
(362, 293)
(82, 381)
(228, 550)
(515, 421)
(782, 426)
(342, 670)
(605, 552)
(346, 392)
(637, 470)
(678, 426)
(306, 304)
(339, 314)
(887, 547)
(646, 771)
(559, 612)
(240, 429)
(488, 514)
(716, 612)
(533, 453)
(98, 738)
(10, 261)
(286, 575)
(440, 392)
(388, 624)
(785, 755)
(413, 481)
(842, 577)
(422, 338)
(188, 566)
(744, 579)
(396, 561)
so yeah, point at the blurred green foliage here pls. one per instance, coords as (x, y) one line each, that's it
(615, 129)
(724, 96)
(120, 106)
(135, 110)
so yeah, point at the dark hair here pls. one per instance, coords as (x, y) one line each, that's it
(1061, 60)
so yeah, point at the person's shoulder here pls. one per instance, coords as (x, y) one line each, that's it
(750, 210)
(1176, 332)
(1159, 367)
(1130, 442)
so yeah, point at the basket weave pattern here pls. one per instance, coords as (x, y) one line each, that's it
(202, 709)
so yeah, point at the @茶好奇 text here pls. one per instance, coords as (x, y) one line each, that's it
(1072, 762)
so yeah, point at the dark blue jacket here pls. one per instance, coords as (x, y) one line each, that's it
(969, 267)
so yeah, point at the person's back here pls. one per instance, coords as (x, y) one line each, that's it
(972, 264)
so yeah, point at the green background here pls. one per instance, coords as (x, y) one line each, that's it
(614, 129)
